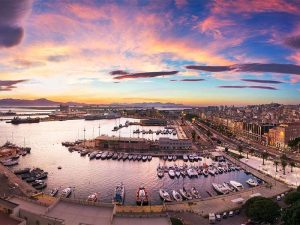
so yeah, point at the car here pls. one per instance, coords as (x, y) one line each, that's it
(230, 214)
(237, 212)
(278, 198)
(224, 215)
(218, 217)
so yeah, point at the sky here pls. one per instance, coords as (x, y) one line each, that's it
(193, 52)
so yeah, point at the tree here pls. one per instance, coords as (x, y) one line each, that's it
(283, 164)
(260, 209)
(292, 197)
(276, 163)
(264, 156)
(298, 188)
(240, 149)
(251, 151)
(247, 154)
(292, 165)
(226, 149)
(291, 216)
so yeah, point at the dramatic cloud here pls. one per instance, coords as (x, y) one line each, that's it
(118, 72)
(146, 75)
(12, 13)
(255, 87)
(193, 80)
(293, 42)
(252, 67)
(8, 85)
(263, 81)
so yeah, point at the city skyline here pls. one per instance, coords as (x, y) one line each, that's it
(188, 52)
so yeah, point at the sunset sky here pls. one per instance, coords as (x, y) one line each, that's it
(183, 51)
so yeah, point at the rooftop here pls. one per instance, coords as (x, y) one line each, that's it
(8, 204)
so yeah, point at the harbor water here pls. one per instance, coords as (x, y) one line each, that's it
(90, 176)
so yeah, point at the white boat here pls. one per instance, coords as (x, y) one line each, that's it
(211, 171)
(177, 173)
(53, 192)
(165, 195)
(177, 196)
(93, 197)
(187, 195)
(229, 188)
(142, 196)
(195, 193)
(185, 158)
(66, 192)
(119, 194)
(10, 162)
(171, 173)
(252, 182)
(238, 186)
(160, 173)
(220, 189)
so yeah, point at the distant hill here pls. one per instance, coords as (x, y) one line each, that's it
(45, 102)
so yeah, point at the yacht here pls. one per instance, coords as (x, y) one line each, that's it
(119, 194)
(92, 198)
(144, 158)
(170, 158)
(125, 156)
(174, 157)
(171, 173)
(142, 196)
(165, 195)
(149, 157)
(195, 193)
(185, 158)
(205, 173)
(139, 157)
(229, 187)
(10, 162)
(187, 195)
(53, 192)
(160, 173)
(130, 157)
(238, 186)
(66, 192)
(98, 156)
(252, 182)
(220, 189)
(177, 196)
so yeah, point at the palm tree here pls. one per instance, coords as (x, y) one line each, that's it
(251, 151)
(193, 134)
(264, 156)
(276, 162)
(247, 154)
(284, 164)
(292, 165)
(240, 149)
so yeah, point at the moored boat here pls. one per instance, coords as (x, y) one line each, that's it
(251, 182)
(171, 173)
(177, 196)
(185, 194)
(165, 195)
(119, 194)
(142, 196)
(66, 192)
(92, 197)
(238, 186)
(53, 192)
(195, 193)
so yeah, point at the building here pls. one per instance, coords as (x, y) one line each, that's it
(165, 143)
(280, 136)
(122, 143)
(153, 122)
(255, 131)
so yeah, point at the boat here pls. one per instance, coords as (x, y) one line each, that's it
(11, 162)
(171, 173)
(93, 155)
(125, 156)
(30, 179)
(115, 156)
(22, 171)
(109, 155)
(17, 120)
(144, 158)
(42, 175)
(170, 158)
(37, 182)
(160, 173)
(142, 196)
(195, 193)
(174, 157)
(191, 158)
(229, 187)
(130, 157)
(41, 186)
(238, 186)
(139, 157)
(252, 182)
(104, 155)
(53, 192)
(120, 156)
(15, 157)
(98, 156)
(119, 194)
(211, 171)
(83, 152)
(134, 157)
(92, 197)
(149, 157)
(185, 194)
(165, 157)
(165, 195)
(66, 192)
(220, 189)
(185, 158)
(177, 196)
(177, 173)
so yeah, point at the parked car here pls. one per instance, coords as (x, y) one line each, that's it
(230, 214)
(218, 217)
(224, 215)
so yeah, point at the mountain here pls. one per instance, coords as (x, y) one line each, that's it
(22, 102)
(45, 102)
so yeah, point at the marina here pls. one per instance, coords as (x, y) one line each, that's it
(80, 176)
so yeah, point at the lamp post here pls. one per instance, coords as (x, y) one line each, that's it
(84, 136)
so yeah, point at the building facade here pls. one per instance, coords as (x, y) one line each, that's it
(174, 144)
